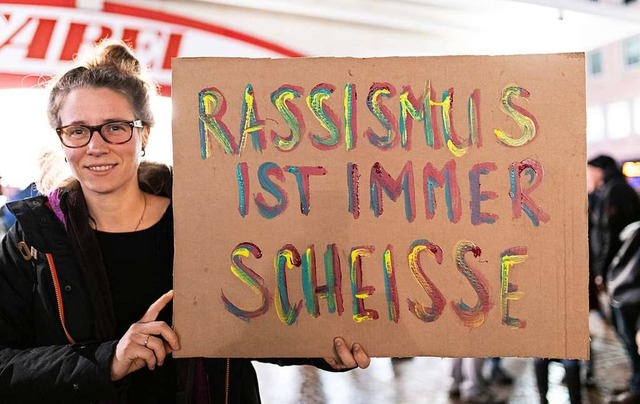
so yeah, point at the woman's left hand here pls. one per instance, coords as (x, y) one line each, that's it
(347, 358)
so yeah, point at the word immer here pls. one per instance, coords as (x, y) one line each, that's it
(288, 258)
(343, 127)
(271, 177)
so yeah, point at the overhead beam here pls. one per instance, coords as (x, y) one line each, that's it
(628, 13)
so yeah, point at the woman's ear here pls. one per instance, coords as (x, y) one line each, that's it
(145, 136)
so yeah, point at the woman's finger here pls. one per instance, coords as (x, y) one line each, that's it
(362, 358)
(138, 352)
(344, 357)
(160, 329)
(156, 307)
(167, 348)
(332, 362)
(156, 345)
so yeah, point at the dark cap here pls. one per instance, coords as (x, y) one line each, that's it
(603, 162)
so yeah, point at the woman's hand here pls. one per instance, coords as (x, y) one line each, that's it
(347, 358)
(146, 343)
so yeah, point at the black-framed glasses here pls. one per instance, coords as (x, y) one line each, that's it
(119, 132)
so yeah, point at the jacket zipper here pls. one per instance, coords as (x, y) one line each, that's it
(226, 382)
(56, 287)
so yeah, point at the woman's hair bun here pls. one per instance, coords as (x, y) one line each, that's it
(113, 65)
(115, 55)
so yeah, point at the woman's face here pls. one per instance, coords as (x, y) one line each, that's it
(99, 166)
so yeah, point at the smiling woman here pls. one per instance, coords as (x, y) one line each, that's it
(26, 136)
(105, 237)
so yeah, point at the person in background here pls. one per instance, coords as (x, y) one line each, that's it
(572, 378)
(3, 200)
(469, 383)
(594, 300)
(498, 374)
(623, 287)
(47, 164)
(7, 217)
(86, 271)
(616, 205)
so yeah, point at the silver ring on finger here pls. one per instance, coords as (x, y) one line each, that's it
(146, 341)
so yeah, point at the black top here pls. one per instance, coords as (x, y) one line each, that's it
(37, 363)
(139, 267)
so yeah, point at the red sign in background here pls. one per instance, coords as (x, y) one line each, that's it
(37, 37)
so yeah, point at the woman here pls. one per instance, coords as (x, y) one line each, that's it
(86, 273)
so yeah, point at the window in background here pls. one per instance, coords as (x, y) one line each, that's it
(618, 120)
(595, 124)
(635, 107)
(594, 63)
(631, 51)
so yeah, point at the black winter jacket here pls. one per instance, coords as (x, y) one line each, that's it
(39, 278)
(617, 206)
(623, 278)
(48, 352)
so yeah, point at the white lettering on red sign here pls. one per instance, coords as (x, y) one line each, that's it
(31, 37)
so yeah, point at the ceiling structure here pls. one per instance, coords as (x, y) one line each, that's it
(431, 27)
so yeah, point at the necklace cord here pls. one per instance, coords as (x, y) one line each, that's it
(94, 225)
(144, 209)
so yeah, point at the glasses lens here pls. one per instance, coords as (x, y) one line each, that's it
(75, 136)
(116, 132)
(111, 132)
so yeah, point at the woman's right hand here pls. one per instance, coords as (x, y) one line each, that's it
(146, 343)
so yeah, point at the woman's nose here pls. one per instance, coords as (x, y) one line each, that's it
(97, 143)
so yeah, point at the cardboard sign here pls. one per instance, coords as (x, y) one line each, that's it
(418, 206)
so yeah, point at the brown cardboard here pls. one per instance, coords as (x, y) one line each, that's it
(546, 314)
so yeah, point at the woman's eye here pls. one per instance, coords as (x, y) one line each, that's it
(117, 128)
(79, 131)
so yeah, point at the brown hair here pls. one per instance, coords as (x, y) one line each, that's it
(112, 65)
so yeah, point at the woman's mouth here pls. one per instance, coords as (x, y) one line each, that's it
(101, 168)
